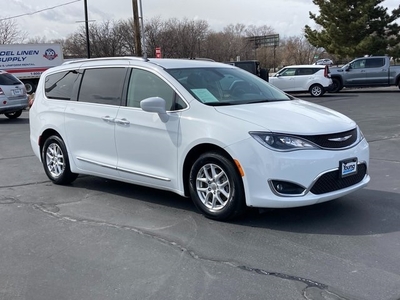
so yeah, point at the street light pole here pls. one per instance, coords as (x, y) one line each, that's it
(87, 30)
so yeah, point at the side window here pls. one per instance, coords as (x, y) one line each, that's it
(288, 72)
(60, 85)
(144, 84)
(358, 64)
(305, 71)
(102, 85)
(375, 62)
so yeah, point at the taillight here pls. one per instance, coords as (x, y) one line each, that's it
(1, 92)
(326, 72)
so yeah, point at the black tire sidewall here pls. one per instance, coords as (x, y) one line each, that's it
(236, 203)
(13, 115)
(66, 177)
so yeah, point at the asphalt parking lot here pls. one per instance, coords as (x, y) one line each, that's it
(99, 239)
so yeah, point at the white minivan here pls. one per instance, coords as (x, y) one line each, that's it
(205, 130)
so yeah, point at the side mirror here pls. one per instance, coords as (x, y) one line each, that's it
(156, 105)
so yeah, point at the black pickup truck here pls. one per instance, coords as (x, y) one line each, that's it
(373, 71)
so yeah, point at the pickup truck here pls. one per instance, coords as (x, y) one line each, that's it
(370, 71)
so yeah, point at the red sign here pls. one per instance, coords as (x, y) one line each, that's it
(158, 53)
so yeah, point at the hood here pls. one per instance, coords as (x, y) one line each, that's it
(336, 70)
(295, 117)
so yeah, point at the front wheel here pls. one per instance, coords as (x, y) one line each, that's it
(336, 86)
(216, 187)
(317, 90)
(55, 161)
(13, 115)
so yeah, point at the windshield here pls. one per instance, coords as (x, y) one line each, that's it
(226, 86)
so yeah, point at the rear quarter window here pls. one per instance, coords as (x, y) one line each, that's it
(102, 85)
(60, 85)
(307, 71)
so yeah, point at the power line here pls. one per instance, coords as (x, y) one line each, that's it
(39, 11)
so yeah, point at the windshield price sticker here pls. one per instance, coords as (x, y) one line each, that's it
(348, 167)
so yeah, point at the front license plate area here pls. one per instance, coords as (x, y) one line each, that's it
(348, 167)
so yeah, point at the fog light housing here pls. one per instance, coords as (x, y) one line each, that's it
(286, 188)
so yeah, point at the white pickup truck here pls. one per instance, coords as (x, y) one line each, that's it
(373, 71)
(28, 61)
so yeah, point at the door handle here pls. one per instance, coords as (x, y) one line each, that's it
(108, 119)
(122, 121)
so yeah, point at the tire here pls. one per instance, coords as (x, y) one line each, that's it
(216, 187)
(336, 86)
(55, 161)
(14, 114)
(316, 90)
(29, 86)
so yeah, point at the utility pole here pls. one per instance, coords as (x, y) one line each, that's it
(87, 30)
(136, 28)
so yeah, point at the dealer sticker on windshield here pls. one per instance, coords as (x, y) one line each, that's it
(348, 167)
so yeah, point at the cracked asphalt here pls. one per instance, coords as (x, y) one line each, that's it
(100, 239)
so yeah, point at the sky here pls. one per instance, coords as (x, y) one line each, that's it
(56, 19)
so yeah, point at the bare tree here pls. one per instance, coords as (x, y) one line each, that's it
(106, 39)
(125, 30)
(190, 38)
(297, 50)
(75, 44)
(253, 30)
(176, 38)
(37, 40)
(267, 55)
(152, 32)
(10, 33)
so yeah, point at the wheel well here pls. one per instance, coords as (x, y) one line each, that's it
(338, 78)
(45, 135)
(191, 158)
(315, 84)
(397, 82)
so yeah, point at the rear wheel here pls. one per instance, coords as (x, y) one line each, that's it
(55, 161)
(29, 86)
(317, 90)
(216, 187)
(14, 114)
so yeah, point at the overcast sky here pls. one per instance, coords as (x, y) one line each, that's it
(56, 19)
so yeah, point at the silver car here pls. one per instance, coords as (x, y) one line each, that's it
(13, 96)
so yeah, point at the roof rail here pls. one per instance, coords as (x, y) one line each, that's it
(201, 58)
(105, 58)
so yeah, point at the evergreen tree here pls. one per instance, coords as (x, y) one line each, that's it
(352, 28)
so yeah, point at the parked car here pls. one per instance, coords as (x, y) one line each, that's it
(206, 130)
(373, 71)
(13, 96)
(324, 61)
(314, 79)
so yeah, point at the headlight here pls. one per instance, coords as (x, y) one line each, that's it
(282, 142)
(361, 135)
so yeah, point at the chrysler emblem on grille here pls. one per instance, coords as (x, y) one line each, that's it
(340, 139)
